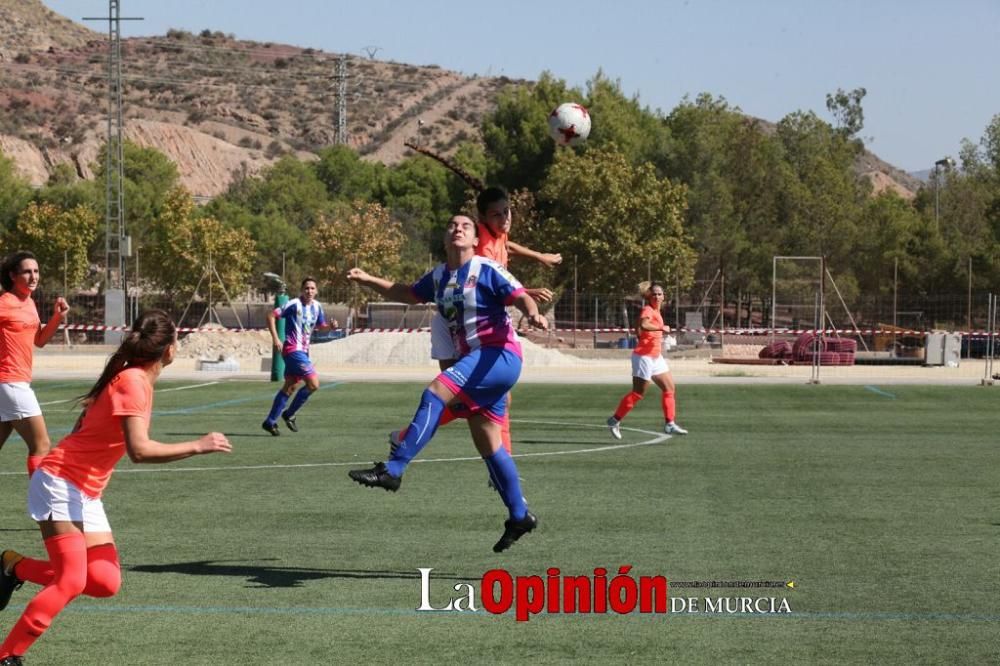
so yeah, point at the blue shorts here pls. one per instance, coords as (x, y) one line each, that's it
(298, 365)
(482, 378)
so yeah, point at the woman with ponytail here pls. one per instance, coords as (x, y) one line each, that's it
(64, 494)
(21, 331)
(648, 364)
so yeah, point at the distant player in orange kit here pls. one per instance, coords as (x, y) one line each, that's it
(648, 364)
(20, 332)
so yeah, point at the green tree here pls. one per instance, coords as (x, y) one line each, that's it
(421, 195)
(280, 247)
(358, 234)
(516, 133)
(637, 132)
(846, 108)
(15, 193)
(149, 178)
(891, 238)
(616, 219)
(821, 196)
(277, 208)
(189, 247)
(345, 175)
(59, 238)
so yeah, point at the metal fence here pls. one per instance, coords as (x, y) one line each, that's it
(582, 315)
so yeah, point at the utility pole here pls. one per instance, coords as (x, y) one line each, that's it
(117, 245)
(341, 79)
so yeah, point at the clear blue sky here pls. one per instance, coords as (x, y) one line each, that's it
(931, 68)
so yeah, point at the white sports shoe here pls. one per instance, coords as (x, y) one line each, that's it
(674, 429)
(614, 425)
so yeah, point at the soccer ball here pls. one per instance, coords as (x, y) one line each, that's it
(569, 124)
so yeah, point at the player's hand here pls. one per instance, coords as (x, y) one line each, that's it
(666, 329)
(277, 345)
(357, 275)
(541, 295)
(61, 308)
(334, 324)
(551, 260)
(538, 321)
(213, 442)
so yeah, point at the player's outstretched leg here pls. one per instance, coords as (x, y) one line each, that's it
(288, 416)
(389, 475)
(624, 407)
(669, 410)
(503, 473)
(270, 424)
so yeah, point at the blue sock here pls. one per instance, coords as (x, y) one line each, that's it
(503, 471)
(419, 432)
(276, 407)
(300, 399)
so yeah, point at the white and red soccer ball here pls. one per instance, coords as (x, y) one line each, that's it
(569, 124)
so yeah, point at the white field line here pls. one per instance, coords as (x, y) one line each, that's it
(177, 388)
(656, 439)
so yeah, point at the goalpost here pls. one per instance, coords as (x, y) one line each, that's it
(799, 293)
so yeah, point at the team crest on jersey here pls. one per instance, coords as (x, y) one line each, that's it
(471, 281)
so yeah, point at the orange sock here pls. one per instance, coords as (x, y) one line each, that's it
(669, 406)
(505, 432)
(104, 574)
(505, 425)
(68, 554)
(33, 463)
(39, 572)
(626, 405)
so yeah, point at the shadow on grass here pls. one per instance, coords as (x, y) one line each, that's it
(264, 576)
(227, 434)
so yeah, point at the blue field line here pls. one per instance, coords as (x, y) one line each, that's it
(814, 616)
(228, 403)
(193, 410)
(877, 391)
(83, 384)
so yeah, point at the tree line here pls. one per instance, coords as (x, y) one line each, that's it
(679, 195)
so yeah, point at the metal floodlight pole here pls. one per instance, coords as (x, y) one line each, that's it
(943, 162)
(116, 245)
(341, 79)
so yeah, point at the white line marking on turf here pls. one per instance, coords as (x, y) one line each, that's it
(657, 438)
(177, 388)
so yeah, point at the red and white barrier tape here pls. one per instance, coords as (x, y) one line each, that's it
(706, 331)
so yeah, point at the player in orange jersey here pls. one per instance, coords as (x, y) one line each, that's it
(64, 494)
(648, 364)
(20, 332)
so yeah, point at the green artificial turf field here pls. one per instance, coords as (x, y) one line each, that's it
(881, 504)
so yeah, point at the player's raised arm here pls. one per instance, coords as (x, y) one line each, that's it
(45, 334)
(142, 449)
(396, 291)
(540, 294)
(526, 304)
(549, 260)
